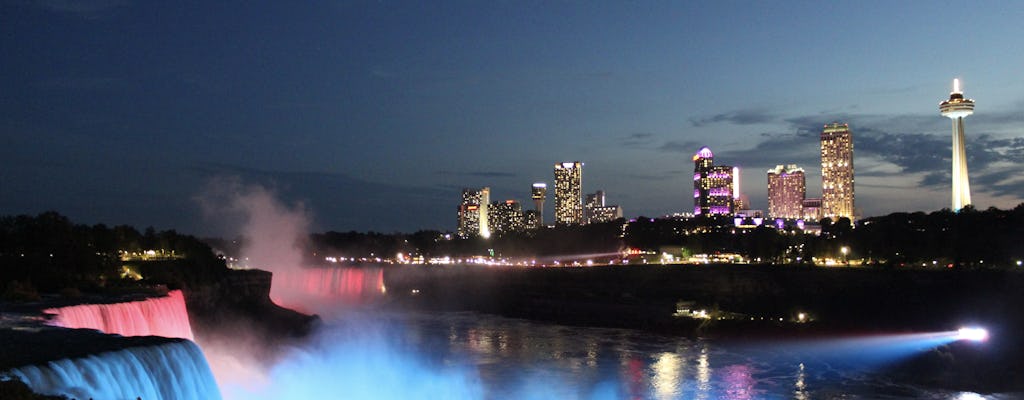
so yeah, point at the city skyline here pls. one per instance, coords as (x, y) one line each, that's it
(373, 116)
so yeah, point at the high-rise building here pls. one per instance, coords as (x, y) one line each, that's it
(837, 171)
(532, 219)
(473, 213)
(505, 216)
(607, 213)
(569, 193)
(957, 108)
(539, 193)
(594, 201)
(713, 191)
(787, 188)
(596, 211)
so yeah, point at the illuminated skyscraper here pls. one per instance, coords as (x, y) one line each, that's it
(594, 200)
(596, 211)
(505, 216)
(787, 187)
(569, 193)
(713, 189)
(837, 171)
(473, 215)
(539, 193)
(957, 108)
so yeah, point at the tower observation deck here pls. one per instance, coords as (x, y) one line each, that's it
(957, 108)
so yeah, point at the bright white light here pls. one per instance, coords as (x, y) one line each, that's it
(956, 85)
(973, 334)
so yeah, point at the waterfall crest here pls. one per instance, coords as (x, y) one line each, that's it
(163, 316)
(170, 371)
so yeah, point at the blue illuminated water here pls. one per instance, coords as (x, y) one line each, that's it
(474, 356)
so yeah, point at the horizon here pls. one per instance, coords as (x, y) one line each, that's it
(374, 116)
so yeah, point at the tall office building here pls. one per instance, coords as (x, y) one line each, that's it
(539, 193)
(837, 171)
(505, 216)
(473, 213)
(957, 108)
(713, 191)
(596, 211)
(594, 201)
(569, 193)
(787, 188)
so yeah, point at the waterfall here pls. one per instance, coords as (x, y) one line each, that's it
(311, 289)
(169, 371)
(163, 316)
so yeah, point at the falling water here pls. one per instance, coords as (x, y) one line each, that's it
(164, 316)
(319, 289)
(172, 371)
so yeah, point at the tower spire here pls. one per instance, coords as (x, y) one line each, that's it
(957, 108)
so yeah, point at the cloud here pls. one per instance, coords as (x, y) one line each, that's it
(640, 139)
(774, 149)
(935, 179)
(912, 152)
(740, 117)
(904, 142)
(656, 176)
(479, 174)
(674, 146)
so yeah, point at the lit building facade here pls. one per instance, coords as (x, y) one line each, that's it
(569, 193)
(597, 211)
(594, 201)
(605, 214)
(957, 108)
(713, 191)
(837, 171)
(539, 193)
(505, 216)
(811, 209)
(787, 188)
(473, 213)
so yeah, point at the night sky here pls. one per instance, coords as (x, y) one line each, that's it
(374, 115)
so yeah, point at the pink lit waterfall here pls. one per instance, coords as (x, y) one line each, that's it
(163, 316)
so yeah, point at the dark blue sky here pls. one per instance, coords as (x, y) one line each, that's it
(375, 114)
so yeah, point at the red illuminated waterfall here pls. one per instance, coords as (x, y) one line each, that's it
(162, 316)
(311, 288)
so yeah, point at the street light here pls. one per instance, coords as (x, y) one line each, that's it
(845, 250)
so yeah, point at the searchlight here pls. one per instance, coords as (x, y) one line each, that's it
(973, 334)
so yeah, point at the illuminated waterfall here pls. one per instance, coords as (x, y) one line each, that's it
(170, 371)
(310, 289)
(163, 316)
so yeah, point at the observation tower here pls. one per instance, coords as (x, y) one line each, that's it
(957, 108)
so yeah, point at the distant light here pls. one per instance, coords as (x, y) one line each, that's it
(973, 334)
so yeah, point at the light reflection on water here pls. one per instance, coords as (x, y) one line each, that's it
(522, 359)
(474, 356)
